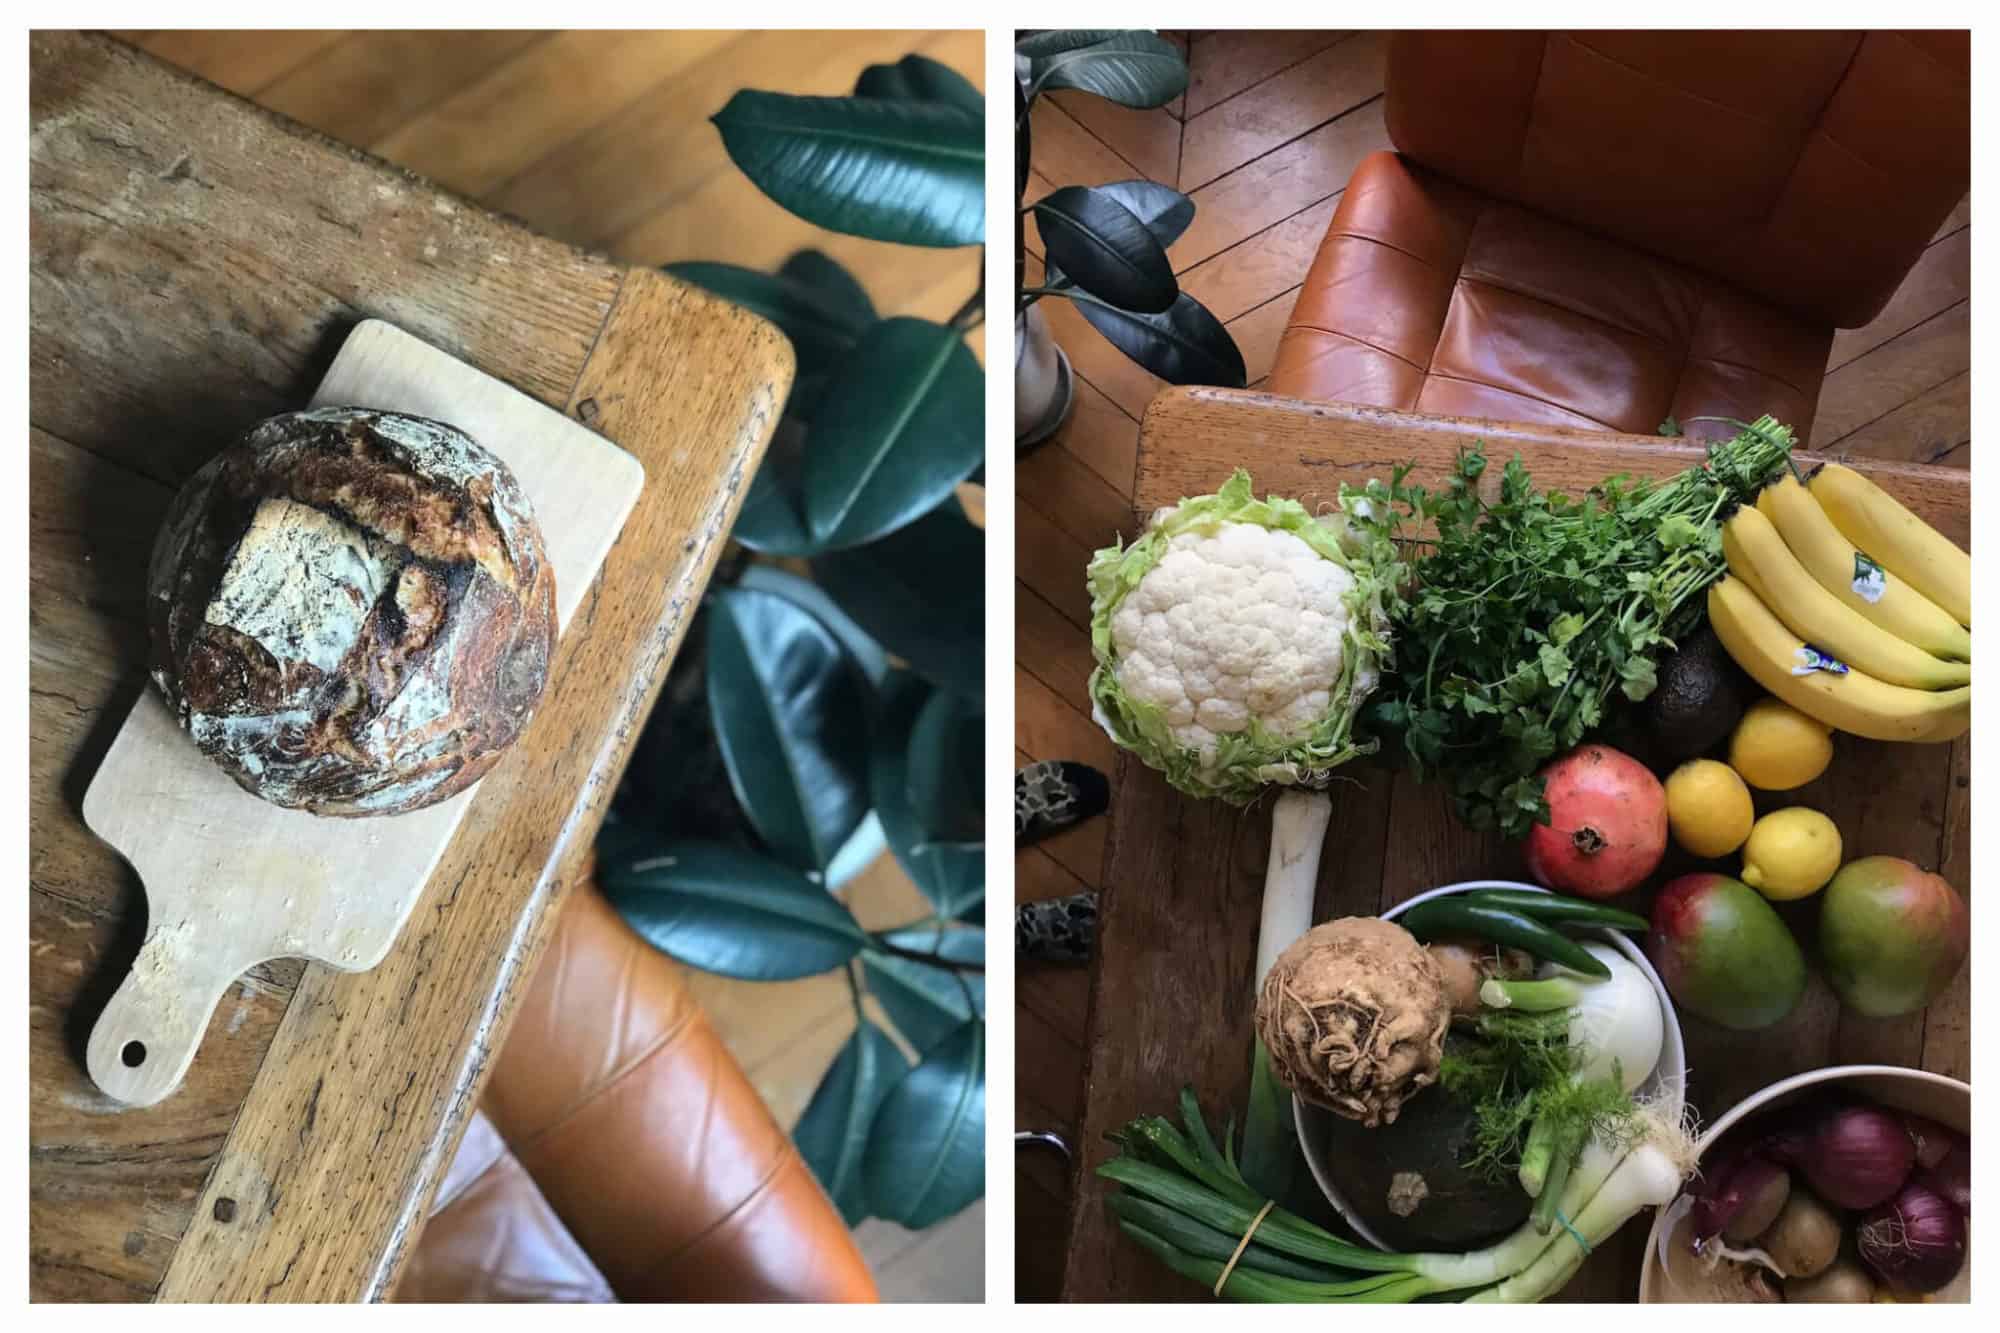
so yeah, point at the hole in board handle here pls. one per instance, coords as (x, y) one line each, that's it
(134, 1054)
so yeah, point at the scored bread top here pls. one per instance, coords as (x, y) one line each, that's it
(352, 611)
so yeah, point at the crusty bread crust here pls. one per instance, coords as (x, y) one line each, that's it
(352, 611)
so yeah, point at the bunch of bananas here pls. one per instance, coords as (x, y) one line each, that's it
(1848, 607)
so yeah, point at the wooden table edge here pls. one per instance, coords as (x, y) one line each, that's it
(603, 396)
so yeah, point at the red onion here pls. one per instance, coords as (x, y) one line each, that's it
(1932, 1139)
(1951, 1176)
(1916, 1241)
(1747, 1177)
(1852, 1156)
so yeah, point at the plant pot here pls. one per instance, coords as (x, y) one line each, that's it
(1043, 386)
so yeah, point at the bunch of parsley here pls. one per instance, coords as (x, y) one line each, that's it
(1529, 610)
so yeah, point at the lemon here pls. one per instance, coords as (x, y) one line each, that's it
(1708, 807)
(1791, 853)
(1777, 748)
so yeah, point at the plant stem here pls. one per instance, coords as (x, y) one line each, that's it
(881, 945)
(974, 308)
(1536, 997)
(1544, 1214)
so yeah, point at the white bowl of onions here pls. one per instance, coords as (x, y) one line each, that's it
(1843, 1185)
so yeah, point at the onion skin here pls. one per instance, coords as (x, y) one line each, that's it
(1915, 1241)
(1742, 1181)
(1951, 1176)
(1853, 1156)
(1932, 1139)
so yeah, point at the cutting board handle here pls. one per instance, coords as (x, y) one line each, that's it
(141, 1045)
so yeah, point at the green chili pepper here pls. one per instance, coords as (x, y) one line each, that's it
(1456, 914)
(1558, 910)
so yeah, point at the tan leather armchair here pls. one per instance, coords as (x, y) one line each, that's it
(1605, 230)
(621, 1154)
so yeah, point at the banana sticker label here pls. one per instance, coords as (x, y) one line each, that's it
(1869, 580)
(1811, 659)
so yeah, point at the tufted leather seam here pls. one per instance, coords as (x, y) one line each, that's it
(1923, 55)
(1516, 393)
(1457, 275)
(680, 1251)
(1527, 117)
(1363, 342)
(1553, 304)
(1744, 365)
(1389, 245)
(1680, 91)
(1805, 142)
(1687, 355)
(589, 1099)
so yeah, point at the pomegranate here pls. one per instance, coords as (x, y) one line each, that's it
(1607, 824)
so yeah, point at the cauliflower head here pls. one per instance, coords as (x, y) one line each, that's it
(1237, 639)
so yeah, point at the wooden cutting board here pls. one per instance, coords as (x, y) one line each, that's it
(231, 880)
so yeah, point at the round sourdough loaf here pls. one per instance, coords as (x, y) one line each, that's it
(351, 611)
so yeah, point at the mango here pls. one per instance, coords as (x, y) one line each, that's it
(1892, 935)
(1723, 953)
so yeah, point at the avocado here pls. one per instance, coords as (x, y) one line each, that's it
(1700, 698)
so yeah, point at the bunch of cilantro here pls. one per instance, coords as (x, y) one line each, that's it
(1529, 610)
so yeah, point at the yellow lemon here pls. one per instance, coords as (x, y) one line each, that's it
(1777, 748)
(1708, 807)
(1791, 853)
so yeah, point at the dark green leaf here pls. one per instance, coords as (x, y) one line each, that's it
(926, 1001)
(832, 1135)
(1024, 150)
(1165, 212)
(791, 718)
(1106, 249)
(951, 873)
(909, 172)
(833, 285)
(866, 653)
(1135, 69)
(1063, 39)
(822, 330)
(729, 911)
(946, 767)
(918, 78)
(1186, 345)
(920, 592)
(903, 425)
(926, 1154)
(772, 519)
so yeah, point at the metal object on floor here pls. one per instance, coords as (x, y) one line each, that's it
(1042, 1138)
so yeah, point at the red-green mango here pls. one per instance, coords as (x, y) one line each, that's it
(1724, 953)
(1892, 935)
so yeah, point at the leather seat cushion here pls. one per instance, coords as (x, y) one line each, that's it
(492, 1236)
(1431, 297)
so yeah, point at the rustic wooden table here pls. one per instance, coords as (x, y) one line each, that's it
(194, 264)
(1183, 878)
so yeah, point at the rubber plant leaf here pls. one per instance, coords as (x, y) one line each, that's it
(726, 910)
(790, 715)
(951, 873)
(926, 1156)
(926, 1001)
(1135, 69)
(1106, 249)
(903, 424)
(920, 79)
(920, 592)
(908, 172)
(832, 1135)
